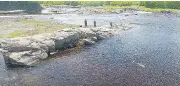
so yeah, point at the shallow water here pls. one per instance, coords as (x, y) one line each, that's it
(146, 55)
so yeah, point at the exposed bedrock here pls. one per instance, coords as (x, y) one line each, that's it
(28, 51)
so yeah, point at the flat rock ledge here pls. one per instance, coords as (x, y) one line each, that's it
(29, 51)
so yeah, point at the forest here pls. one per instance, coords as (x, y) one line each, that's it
(148, 4)
(36, 6)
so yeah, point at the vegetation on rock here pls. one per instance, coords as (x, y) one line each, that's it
(37, 26)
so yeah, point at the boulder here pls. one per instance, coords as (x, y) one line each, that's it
(22, 51)
(45, 39)
(88, 42)
(16, 44)
(25, 58)
(65, 39)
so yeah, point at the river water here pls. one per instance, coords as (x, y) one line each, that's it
(146, 55)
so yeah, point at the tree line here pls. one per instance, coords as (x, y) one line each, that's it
(161, 4)
(35, 6)
(148, 4)
(28, 6)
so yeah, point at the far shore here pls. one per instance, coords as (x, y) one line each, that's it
(61, 9)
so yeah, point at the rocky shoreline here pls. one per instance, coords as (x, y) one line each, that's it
(84, 10)
(29, 51)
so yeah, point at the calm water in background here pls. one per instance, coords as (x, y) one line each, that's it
(146, 55)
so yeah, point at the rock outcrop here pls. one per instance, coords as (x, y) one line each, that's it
(28, 51)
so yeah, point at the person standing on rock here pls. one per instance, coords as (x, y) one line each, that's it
(94, 23)
(111, 24)
(85, 23)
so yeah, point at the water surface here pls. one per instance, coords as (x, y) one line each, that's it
(146, 55)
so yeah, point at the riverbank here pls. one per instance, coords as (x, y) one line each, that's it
(143, 8)
(158, 10)
(89, 10)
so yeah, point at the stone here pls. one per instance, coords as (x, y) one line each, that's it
(94, 39)
(25, 58)
(85, 32)
(66, 39)
(88, 42)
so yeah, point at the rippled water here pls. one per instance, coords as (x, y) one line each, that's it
(147, 55)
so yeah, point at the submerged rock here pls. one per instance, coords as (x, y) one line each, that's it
(140, 65)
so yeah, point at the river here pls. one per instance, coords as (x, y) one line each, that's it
(146, 55)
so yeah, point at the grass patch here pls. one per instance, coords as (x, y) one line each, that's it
(142, 8)
(15, 34)
(114, 8)
(38, 28)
